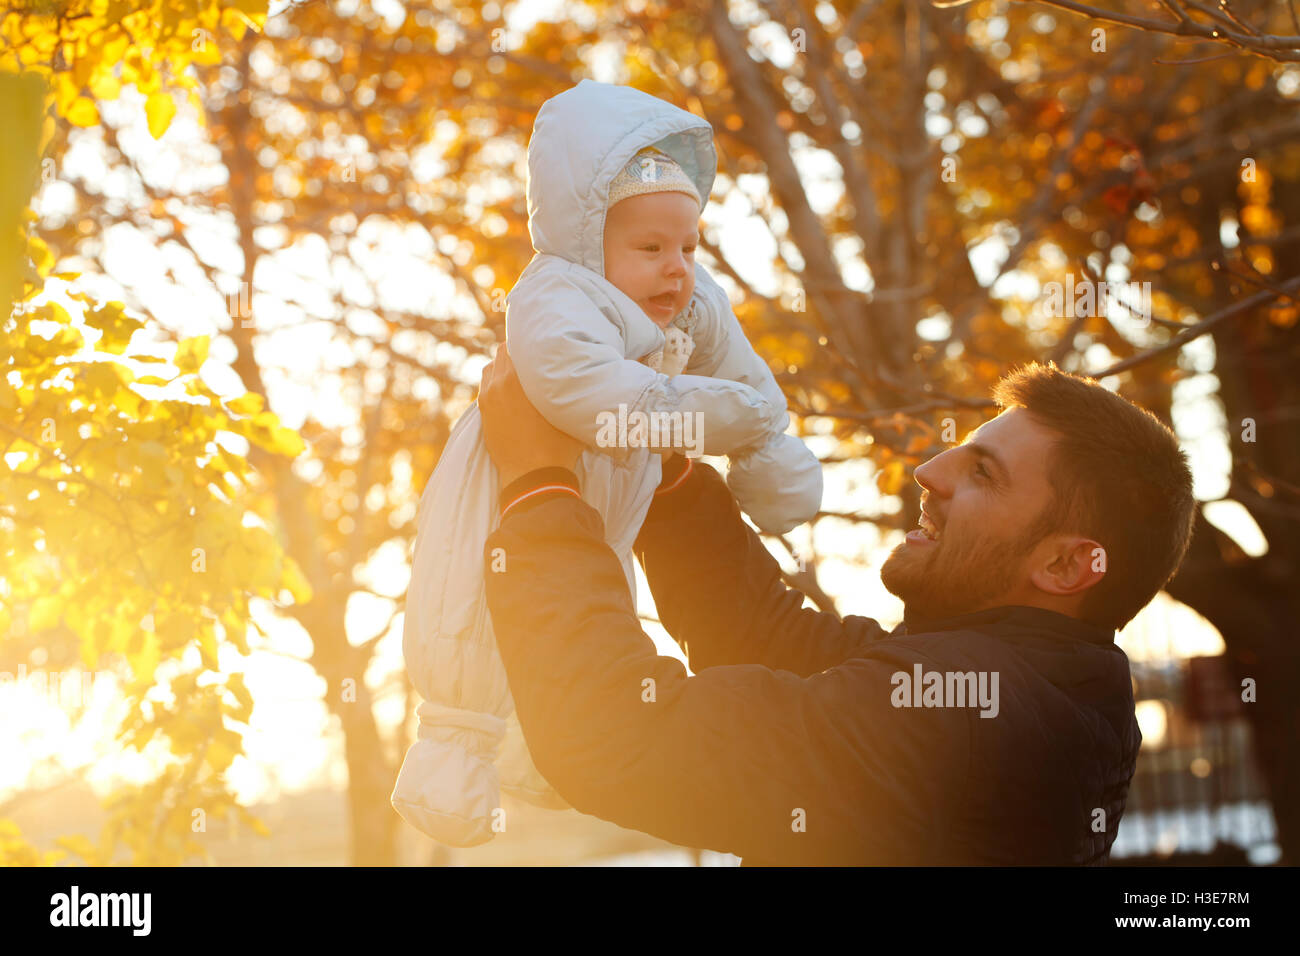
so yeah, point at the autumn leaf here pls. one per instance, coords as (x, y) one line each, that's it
(250, 403)
(222, 750)
(159, 108)
(83, 112)
(191, 354)
(890, 478)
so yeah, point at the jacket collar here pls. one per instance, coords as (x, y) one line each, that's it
(1008, 619)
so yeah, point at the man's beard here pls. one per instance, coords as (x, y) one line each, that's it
(951, 576)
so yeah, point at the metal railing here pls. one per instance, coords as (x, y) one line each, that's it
(1197, 795)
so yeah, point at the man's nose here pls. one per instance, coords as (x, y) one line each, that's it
(934, 474)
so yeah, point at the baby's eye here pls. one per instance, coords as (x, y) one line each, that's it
(653, 247)
(690, 250)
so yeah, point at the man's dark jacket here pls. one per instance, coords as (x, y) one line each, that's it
(785, 747)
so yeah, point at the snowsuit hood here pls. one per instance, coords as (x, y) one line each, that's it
(581, 139)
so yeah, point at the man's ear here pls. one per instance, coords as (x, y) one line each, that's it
(1073, 565)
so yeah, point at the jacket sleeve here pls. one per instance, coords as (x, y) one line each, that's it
(719, 591)
(742, 759)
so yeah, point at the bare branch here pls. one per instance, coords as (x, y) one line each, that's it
(1225, 27)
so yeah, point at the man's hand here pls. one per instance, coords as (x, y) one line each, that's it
(518, 438)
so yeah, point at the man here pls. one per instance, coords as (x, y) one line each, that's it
(995, 725)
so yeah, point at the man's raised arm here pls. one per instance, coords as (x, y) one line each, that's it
(719, 591)
(762, 763)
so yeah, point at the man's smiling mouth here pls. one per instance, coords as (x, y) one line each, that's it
(928, 527)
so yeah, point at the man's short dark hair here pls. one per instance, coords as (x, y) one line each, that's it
(1118, 476)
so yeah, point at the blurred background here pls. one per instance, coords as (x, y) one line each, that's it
(255, 259)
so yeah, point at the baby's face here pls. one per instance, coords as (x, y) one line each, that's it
(650, 251)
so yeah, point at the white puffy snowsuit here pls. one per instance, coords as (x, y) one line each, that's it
(578, 345)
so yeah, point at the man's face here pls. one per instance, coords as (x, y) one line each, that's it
(650, 251)
(984, 497)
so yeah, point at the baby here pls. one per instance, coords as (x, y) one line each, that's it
(613, 329)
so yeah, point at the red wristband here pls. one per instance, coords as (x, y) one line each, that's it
(537, 484)
(679, 480)
(539, 491)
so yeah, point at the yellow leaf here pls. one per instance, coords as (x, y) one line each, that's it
(40, 254)
(224, 746)
(250, 403)
(127, 402)
(145, 661)
(54, 312)
(105, 86)
(160, 108)
(235, 684)
(286, 441)
(208, 648)
(83, 112)
(236, 629)
(65, 91)
(191, 354)
(219, 755)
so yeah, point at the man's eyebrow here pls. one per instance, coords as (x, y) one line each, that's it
(986, 452)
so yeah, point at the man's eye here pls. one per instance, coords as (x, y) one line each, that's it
(979, 470)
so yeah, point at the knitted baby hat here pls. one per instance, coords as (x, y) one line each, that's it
(651, 171)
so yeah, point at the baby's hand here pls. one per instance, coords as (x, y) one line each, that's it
(678, 347)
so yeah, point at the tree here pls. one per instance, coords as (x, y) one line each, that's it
(125, 537)
(318, 122)
(945, 132)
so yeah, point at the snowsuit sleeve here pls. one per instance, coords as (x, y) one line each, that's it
(576, 361)
(779, 481)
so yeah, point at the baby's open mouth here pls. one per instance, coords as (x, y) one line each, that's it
(665, 300)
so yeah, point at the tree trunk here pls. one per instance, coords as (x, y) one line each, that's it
(1255, 602)
(373, 823)
(372, 820)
